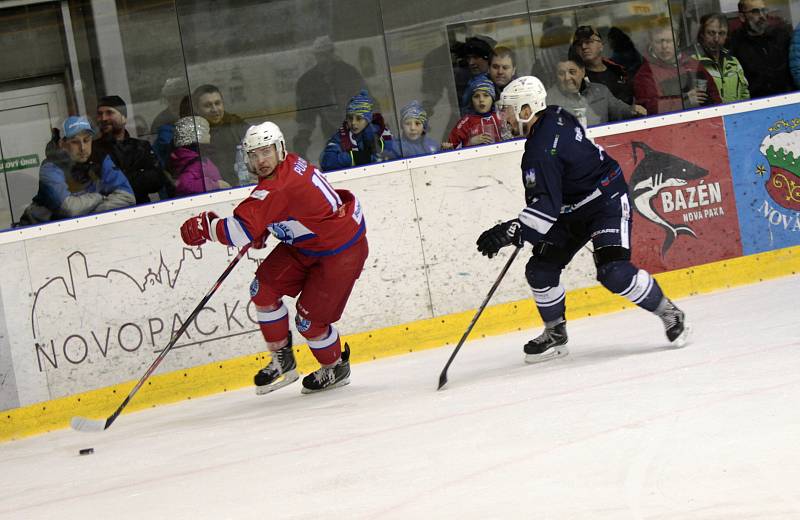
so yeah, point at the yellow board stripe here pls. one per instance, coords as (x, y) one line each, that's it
(401, 339)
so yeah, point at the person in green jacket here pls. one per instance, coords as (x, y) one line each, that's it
(710, 51)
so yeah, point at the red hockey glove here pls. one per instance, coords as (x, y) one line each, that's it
(260, 242)
(197, 230)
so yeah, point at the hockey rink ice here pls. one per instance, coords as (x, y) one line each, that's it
(623, 428)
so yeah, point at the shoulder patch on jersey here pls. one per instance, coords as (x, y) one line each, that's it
(259, 194)
(529, 177)
(578, 134)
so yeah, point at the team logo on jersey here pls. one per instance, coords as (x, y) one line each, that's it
(302, 324)
(282, 232)
(254, 287)
(657, 171)
(259, 194)
(529, 178)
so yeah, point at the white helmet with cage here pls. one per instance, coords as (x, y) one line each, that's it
(525, 90)
(265, 134)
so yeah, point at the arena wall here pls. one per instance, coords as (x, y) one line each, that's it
(88, 303)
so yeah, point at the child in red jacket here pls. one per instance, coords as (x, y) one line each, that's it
(481, 125)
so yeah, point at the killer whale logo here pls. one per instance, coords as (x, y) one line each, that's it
(654, 172)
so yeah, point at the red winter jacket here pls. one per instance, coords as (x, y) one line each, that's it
(660, 87)
(475, 124)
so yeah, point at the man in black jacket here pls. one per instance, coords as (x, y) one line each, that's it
(762, 47)
(135, 157)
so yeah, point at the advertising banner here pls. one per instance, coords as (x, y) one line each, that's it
(682, 194)
(764, 149)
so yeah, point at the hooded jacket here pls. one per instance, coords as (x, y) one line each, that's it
(728, 74)
(599, 104)
(191, 173)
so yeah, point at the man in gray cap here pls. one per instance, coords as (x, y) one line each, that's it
(135, 157)
(71, 184)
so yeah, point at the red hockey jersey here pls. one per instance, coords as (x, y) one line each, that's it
(300, 208)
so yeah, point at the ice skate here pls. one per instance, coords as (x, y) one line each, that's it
(550, 344)
(674, 320)
(329, 377)
(281, 371)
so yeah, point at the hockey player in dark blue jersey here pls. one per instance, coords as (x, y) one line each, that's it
(574, 192)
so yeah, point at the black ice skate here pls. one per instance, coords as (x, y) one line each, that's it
(281, 371)
(674, 323)
(551, 344)
(329, 377)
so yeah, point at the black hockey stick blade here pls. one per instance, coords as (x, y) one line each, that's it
(443, 375)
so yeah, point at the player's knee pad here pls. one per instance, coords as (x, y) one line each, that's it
(541, 274)
(616, 276)
(608, 254)
(261, 295)
(310, 329)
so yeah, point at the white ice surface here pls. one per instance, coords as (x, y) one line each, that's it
(623, 428)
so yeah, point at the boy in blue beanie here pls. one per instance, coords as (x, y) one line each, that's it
(481, 124)
(414, 120)
(362, 139)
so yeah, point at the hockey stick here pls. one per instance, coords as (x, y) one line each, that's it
(83, 424)
(443, 375)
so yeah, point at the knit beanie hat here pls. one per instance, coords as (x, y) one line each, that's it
(114, 102)
(414, 110)
(191, 129)
(481, 83)
(361, 104)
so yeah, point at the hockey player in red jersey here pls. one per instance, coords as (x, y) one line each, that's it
(322, 251)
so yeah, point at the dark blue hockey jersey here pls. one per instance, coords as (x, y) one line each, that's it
(562, 170)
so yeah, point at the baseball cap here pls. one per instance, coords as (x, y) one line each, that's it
(73, 125)
(585, 32)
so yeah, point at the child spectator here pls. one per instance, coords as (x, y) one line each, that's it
(415, 125)
(481, 125)
(362, 139)
(192, 173)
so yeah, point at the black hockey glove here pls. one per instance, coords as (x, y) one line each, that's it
(493, 240)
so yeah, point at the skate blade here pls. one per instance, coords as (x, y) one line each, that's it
(682, 340)
(547, 355)
(343, 382)
(288, 378)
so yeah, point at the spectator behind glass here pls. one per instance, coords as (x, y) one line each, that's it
(794, 56)
(362, 139)
(135, 157)
(554, 45)
(710, 51)
(477, 51)
(172, 94)
(589, 45)
(623, 51)
(322, 93)
(502, 68)
(666, 83)
(71, 184)
(591, 103)
(414, 140)
(762, 49)
(192, 171)
(481, 125)
(227, 131)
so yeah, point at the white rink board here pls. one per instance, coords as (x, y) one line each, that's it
(91, 307)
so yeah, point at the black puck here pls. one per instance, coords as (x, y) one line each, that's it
(86, 451)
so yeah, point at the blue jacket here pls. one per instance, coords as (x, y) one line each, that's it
(76, 193)
(794, 56)
(340, 152)
(423, 146)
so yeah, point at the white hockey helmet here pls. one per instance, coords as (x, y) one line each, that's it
(525, 90)
(265, 134)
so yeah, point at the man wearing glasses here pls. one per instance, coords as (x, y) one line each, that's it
(761, 45)
(589, 45)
